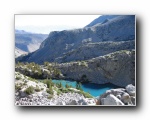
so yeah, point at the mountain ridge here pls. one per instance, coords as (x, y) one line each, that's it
(58, 43)
(102, 19)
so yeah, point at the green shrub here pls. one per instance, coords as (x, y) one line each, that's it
(42, 88)
(78, 86)
(70, 90)
(50, 97)
(57, 72)
(50, 91)
(58, 92)
(24, 83)
(67, 86)
(85, 94)
(46, 63)
(64, 90)
(37, 89)
(20, 64)
(83, 63)
(18, 77)
(17, 87)
(49, 82)
(59, 85)
(32, 79)
(29, 90)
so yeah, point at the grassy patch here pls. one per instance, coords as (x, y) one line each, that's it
(17, 87)
(85, 94)
(18, 77)
(50, 91)
(37, 89)
(32, 79)
(29, 90)
(50, 97)
(42, 88)
(49, 82)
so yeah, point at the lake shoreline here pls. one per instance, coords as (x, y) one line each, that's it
(92, 88)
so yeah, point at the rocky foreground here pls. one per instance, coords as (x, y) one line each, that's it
(41, 97)
(119, 96)
(63, 99)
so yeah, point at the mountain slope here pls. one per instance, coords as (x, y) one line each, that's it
(101, 19)
(92, 50)
(19, 52)
(59, 43)
(28, 42)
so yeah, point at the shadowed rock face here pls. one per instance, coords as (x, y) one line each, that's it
(92, 50)
(60, 43)
(116, 68)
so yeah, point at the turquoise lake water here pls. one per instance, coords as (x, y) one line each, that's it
(94, 89)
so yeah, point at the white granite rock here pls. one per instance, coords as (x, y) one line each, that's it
(133, 100)
(22, 94)
(130, 89)
(125, 98)
(112, 100)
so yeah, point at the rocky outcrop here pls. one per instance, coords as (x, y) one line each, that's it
(63, 99)
(39, 73)
(116, 68)
(111, 100)
(39, 96)
(92, 50)
(60, 43)
(118, 96)
(130, 89)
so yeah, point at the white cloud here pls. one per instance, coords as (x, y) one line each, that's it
(44, 23)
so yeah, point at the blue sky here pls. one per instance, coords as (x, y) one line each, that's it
(47, 23)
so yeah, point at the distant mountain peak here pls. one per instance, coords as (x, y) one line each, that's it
(21, 32)
(27, 41)
(102, 19)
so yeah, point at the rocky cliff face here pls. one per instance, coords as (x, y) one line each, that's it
(92, 50)
(116, 68)
(61, 43)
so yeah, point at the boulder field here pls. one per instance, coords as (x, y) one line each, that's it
(119, 96)
(40, 97)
